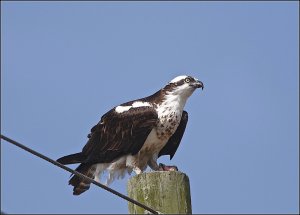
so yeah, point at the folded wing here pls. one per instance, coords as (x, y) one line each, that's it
(119, 134)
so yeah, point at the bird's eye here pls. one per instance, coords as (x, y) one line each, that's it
(187, 80)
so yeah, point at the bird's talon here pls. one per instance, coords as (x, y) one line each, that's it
(163, 167)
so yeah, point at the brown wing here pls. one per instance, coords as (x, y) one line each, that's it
(174, 141)
(119, 134)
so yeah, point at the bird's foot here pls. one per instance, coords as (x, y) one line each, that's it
(163, 167)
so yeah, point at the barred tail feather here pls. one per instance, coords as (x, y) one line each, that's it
(81, 185)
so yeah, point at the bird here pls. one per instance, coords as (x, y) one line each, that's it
(133, 135)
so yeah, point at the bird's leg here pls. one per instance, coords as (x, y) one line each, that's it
(163, 167)
(153, 165)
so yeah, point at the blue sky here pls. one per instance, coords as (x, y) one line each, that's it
(64, 64)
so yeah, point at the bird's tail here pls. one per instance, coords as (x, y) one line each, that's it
(73, 158)
(81, 185)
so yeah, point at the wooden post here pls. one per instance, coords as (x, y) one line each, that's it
(167, 192)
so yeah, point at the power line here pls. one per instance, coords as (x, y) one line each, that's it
(78, 174)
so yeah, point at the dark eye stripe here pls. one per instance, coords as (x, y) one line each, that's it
(186, 80)
(181, 82)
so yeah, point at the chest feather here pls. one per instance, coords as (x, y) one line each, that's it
(169, 119)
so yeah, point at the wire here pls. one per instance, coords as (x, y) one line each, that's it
(79, 174)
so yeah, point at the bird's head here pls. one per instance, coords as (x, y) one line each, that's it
(183, 85)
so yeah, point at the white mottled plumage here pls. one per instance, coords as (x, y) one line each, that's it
(132, 136)
(171, 107)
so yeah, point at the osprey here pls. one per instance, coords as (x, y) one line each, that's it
(134, 135)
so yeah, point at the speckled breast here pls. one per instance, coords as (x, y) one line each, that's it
(167, 125)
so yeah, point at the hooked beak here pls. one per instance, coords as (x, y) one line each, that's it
(198, 84)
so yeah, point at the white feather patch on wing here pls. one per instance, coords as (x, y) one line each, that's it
(141, 104)
(121, 109)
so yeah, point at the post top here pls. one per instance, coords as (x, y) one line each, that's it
(164, 191)
(161, 173)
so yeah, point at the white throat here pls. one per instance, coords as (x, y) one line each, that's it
(175, 101)
(172, 104)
